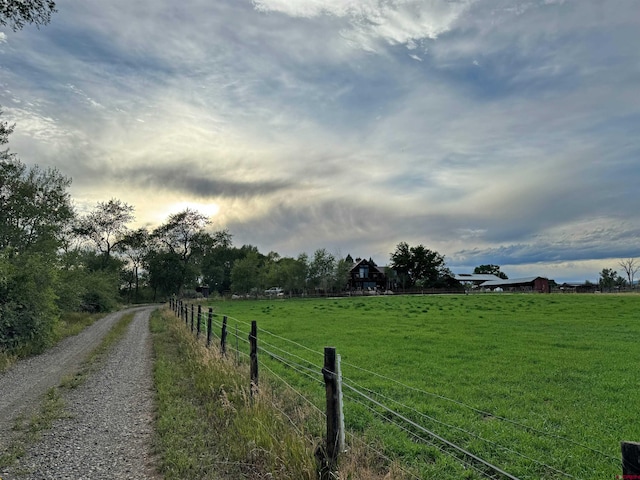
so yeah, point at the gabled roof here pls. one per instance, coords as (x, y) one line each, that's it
(511, 281)
(372, 266)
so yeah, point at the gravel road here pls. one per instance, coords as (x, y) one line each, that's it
(109, 432)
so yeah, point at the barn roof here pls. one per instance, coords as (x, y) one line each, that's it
(476, 277)
(512, 281)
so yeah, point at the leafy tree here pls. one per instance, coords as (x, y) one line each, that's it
(35, 206)
(244, 273)
(609, 279)
(490, 270)
(165, 271)
(18, 13)
(180, 236)
(322, 270)
(135, 247)
(292, 273)
(419, 266)
(184, 236)
(341, 280)
(106, 225)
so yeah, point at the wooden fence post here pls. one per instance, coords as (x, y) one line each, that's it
(333, 411)
(253, 342)
(223, 337)
(341, 439)
(630, 459)
(209, 321)
(192, 322)
(199, 318)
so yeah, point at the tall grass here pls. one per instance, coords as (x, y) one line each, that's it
(208, 426)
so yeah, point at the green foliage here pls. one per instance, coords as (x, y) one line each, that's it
(419, 266)
(322, 268)
(28, 312)
(165, 272)
(610, 280)
(244, 274)
(35, 207)
(491, 270)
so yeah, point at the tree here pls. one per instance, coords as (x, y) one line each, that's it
(322, 270)
(135, 247)
(630, 269)
(341, 280)
(419, 266)
(106, 225)
(292, 273)
(17, 13)
(609, 279)
(35, 206)
(490, 270)
(184, 236)
(244, 273)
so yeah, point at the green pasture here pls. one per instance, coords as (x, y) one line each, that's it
(544, 386)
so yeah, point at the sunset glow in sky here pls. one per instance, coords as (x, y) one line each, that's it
(497, 131)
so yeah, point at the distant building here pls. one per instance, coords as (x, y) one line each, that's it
(528, 284)
(366, 275)
(476, 278)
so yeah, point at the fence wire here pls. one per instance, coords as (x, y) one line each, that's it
(364, 396)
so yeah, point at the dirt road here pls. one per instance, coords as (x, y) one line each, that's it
(109, 432)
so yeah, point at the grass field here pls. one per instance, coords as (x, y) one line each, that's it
(543, 386)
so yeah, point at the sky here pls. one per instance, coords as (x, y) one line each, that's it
(492, 131)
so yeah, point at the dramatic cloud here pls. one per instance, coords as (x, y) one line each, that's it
(494, 132)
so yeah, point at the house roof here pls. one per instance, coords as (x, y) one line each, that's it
(371, 265)
(512, 281)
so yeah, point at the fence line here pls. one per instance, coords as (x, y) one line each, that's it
(312, 371)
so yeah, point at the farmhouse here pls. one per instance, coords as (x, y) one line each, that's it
(528, 284)
(366, 275)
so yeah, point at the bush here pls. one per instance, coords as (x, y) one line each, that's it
(28, 312)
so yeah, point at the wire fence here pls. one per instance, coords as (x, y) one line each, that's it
(490, 445)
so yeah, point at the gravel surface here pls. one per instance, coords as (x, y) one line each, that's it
(109, 432)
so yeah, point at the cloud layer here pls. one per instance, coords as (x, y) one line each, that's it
(494, 132)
